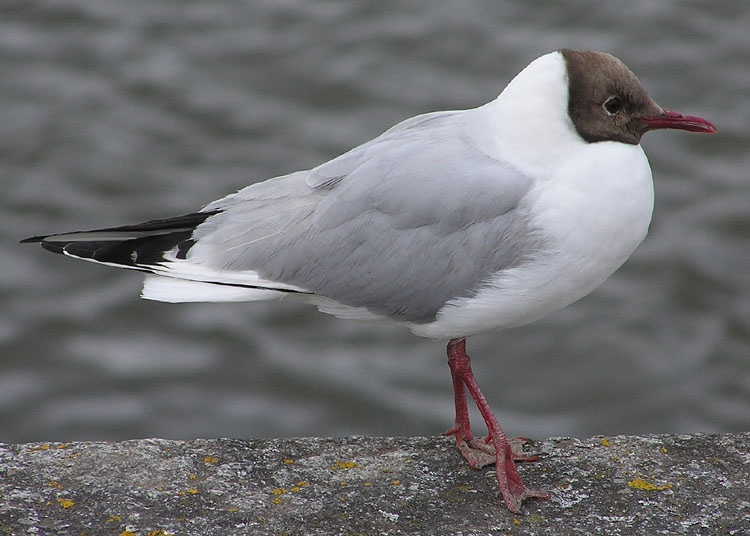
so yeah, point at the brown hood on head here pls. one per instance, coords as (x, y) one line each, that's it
(607, 102)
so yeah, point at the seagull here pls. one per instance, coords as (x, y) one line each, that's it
(449, 223)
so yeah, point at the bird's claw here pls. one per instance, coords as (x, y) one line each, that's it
(481, 452)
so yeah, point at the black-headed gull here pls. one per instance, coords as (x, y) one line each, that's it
(449, 223)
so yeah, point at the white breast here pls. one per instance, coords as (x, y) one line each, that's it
(593, 211)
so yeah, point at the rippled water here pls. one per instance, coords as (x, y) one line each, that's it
(117, 112)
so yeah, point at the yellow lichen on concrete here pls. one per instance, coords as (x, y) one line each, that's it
(639, 483)
(210, 459)
(344, 465)
(605, 442)
(66, 503)
(54, 484)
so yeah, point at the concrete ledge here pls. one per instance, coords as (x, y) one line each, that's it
(685, 484)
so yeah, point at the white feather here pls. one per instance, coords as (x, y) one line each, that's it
(172, 290)
(187, 270)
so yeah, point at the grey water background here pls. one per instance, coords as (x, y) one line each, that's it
(117, 112)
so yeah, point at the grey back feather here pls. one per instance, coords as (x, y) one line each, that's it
(399, 225)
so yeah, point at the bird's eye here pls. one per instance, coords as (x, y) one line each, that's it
(612, 105)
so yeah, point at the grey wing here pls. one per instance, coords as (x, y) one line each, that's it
(399, 225)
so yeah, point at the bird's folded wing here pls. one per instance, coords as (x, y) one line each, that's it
(399, 225)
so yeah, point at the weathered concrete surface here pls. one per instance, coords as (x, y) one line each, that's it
(687, 484)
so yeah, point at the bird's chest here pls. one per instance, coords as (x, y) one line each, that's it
(595, 211)
(588, 218)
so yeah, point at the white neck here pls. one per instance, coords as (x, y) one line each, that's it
(528, 124)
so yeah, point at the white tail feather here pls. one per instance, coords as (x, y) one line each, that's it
(172, 290)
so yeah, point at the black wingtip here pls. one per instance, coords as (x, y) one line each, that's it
(41, 240)
(32, 239)
(128, 245)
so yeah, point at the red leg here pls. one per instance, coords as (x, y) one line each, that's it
(495, 448)
(479, 453)
(462, 428)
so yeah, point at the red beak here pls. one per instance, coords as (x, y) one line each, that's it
(670, 119)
